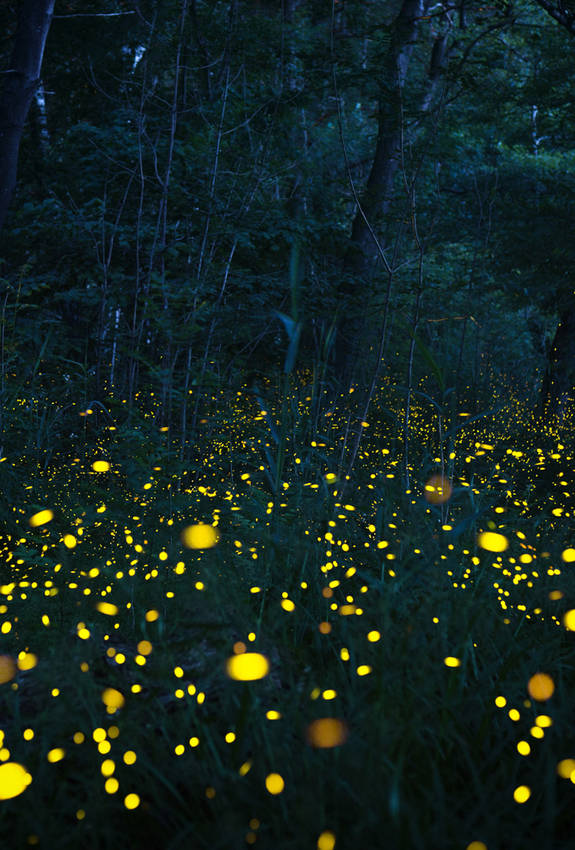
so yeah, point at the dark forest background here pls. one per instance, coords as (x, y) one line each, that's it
(210, 192)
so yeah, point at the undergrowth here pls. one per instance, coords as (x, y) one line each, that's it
(415, 618)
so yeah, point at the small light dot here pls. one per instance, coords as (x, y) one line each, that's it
(131, 801)
(275, 783)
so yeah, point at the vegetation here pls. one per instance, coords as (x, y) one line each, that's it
(287, 371)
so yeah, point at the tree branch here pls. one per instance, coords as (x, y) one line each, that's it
(564, 19)
(93, 15)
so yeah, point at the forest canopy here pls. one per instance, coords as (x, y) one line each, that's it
(203, 186)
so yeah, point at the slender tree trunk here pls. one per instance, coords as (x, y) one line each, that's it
(21, 81)
(378, 191)
(558, 389)
(363, 252)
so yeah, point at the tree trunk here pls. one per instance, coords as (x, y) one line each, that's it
(21, 80)
(558, 390)
(363, 252)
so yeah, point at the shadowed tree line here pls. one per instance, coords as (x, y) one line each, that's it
(190, 191)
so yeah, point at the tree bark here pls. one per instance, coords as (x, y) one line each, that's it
(378, 191)
(21, 80)
(558, 389)
(363, 252)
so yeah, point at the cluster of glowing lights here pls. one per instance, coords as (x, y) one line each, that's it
(437, 490)
(9, 666)
(113, 699)
(321, 733)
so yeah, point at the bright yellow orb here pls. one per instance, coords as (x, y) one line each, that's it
(247, 667)
(14, 779)
(200, 536)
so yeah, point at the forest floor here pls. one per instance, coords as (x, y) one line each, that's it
(250, 649)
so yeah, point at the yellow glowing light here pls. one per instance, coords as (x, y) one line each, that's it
(326, 841)
(522, 793)
(112, 698)
(437, 490)
(569, 620)
(565, 768)
(273, 715)
(27, 661)
(41, 518)
(100, 466)
(131, 801)
(275, 783)
(199, 536)
(476, 845)
(69, 541)
(451, 661)
(107, 608)
(55, 755)
(568, 555)
(541, 687)
(492, 542)
(247, 667)
(14, 779)
(7, 668)
(326, 732)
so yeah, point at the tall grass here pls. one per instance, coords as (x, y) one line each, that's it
(417, 639)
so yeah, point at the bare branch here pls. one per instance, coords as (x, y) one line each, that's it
(559, 14)
(92, 15)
